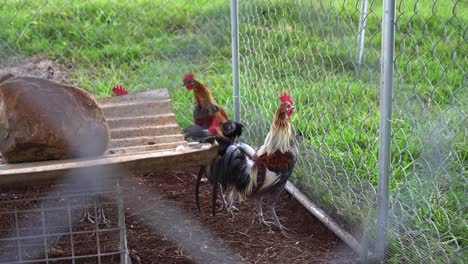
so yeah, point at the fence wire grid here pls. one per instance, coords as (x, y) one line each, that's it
(327, 54)
(61, 222)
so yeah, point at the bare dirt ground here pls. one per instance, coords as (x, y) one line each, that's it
(307, 241)
(36, 66)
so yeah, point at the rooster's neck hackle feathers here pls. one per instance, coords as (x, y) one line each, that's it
(204, 97)
(279, 137)
(202, 93)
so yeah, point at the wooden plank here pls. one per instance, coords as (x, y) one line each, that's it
(135, 109)
(130, 164)
(140, 121)
(144, 148)
(139, 141)
(145, 131)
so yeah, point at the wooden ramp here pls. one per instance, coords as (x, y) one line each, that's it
(144, 137)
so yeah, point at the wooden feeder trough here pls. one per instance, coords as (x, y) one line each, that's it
(144, 137)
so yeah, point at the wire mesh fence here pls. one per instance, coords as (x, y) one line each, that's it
(310, 49)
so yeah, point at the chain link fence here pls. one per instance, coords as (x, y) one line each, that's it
(310, 49)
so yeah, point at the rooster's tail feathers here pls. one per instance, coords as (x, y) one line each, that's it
(235, 169)
(247, 149)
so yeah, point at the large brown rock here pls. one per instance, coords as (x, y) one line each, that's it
(44, 120)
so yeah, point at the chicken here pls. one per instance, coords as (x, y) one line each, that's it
(231, 131)
(208, 118)
(101, 217)
(207, 115)
(264, 172)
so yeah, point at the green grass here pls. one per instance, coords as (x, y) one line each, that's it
(308, 50)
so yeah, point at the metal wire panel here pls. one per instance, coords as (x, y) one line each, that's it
(46, 223)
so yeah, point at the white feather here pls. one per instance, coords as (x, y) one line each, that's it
(180, 148)
(253, 182)
(270, 179)
(275, 141)
(250, 163)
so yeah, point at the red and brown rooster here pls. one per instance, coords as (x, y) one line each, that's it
(208, 116)
(264, 172)
(211, 123)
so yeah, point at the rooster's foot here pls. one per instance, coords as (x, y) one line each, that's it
(285, 234)
(87, 217)
(265, 223)
(223, 206)
(231, 210)
(102, 219)
(281, 227)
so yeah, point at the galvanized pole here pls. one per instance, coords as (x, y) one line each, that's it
(362, 31)
(124, 254)
(235, 57)
(388, 47)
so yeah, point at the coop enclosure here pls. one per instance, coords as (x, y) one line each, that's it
(62, 222)
(327, 55)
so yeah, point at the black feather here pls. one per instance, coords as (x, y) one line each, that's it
(196, 132)
(234, 169)
(231, 129)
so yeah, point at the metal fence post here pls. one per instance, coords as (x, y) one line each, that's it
(235, 57)
(387, 58)
(362, 31)
(124, 254)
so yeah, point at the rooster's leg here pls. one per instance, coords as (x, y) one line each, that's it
(258, 205)
(101, 217)
(270, 203)
(86, 214)
(230, 203)
(223, 200)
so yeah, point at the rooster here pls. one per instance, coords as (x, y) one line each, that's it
(208, 116)
(210, 124)
(230, 132)
(100, 218)
(264, 172)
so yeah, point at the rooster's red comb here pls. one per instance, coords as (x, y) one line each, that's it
(188, 77)
(285, 98)
(119, 90)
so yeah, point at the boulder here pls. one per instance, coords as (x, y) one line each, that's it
(44, 120)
